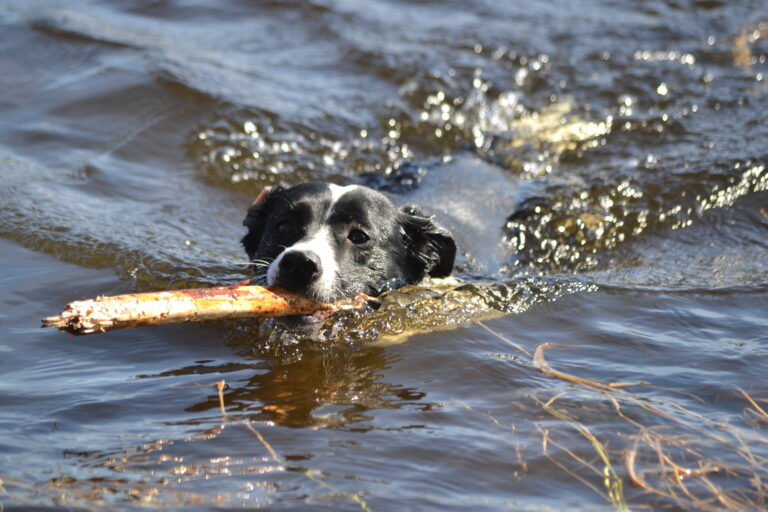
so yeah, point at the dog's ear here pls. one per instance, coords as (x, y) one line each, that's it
(256, 219)
(431, 248)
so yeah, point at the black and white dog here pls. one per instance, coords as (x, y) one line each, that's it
(329, 242)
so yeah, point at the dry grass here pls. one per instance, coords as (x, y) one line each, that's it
(669, 459)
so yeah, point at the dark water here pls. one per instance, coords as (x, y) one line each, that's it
(134, 134)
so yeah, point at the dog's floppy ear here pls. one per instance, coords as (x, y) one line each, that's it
(256, 219)
(431, 248)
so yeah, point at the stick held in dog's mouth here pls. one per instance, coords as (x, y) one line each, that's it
(191, 305)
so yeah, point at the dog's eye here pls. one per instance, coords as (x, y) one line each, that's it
(358, 236)
(285, 228)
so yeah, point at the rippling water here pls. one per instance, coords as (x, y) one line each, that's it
(614, 357)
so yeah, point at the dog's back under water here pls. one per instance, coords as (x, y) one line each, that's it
(472, 199)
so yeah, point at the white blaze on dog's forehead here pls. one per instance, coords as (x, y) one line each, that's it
(319, 243)
(338, 191)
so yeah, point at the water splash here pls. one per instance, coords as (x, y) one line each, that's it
(246, 150)
(433, 305)
(567, 229)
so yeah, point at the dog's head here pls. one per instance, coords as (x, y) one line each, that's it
(330, 242)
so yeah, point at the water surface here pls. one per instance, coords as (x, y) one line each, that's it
(133, 135)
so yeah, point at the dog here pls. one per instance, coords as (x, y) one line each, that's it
(330, 242)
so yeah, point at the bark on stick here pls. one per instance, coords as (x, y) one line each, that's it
(194, 305)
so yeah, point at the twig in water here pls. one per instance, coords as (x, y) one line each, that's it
(220, 386)
(629, 462)
(541, 364)
(754, 404)
(504, 339)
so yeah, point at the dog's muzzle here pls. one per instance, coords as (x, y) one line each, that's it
(298, 271)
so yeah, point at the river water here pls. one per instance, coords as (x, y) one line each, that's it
(615, 358)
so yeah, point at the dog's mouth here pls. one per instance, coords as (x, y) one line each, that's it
(314, 320)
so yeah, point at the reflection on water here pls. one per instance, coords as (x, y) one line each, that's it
(326, 389)
(134, 136)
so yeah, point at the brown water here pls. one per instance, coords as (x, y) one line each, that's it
(134, 134)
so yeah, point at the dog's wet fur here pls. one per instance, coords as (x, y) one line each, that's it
(329, 242)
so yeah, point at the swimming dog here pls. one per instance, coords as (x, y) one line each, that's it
(329, 242)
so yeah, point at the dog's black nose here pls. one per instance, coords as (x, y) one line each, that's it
(298, 269)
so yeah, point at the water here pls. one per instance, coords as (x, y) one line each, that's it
(134, 134)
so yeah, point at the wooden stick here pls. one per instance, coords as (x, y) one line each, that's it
(193, 305)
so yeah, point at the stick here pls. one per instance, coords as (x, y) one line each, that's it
(193, 305)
